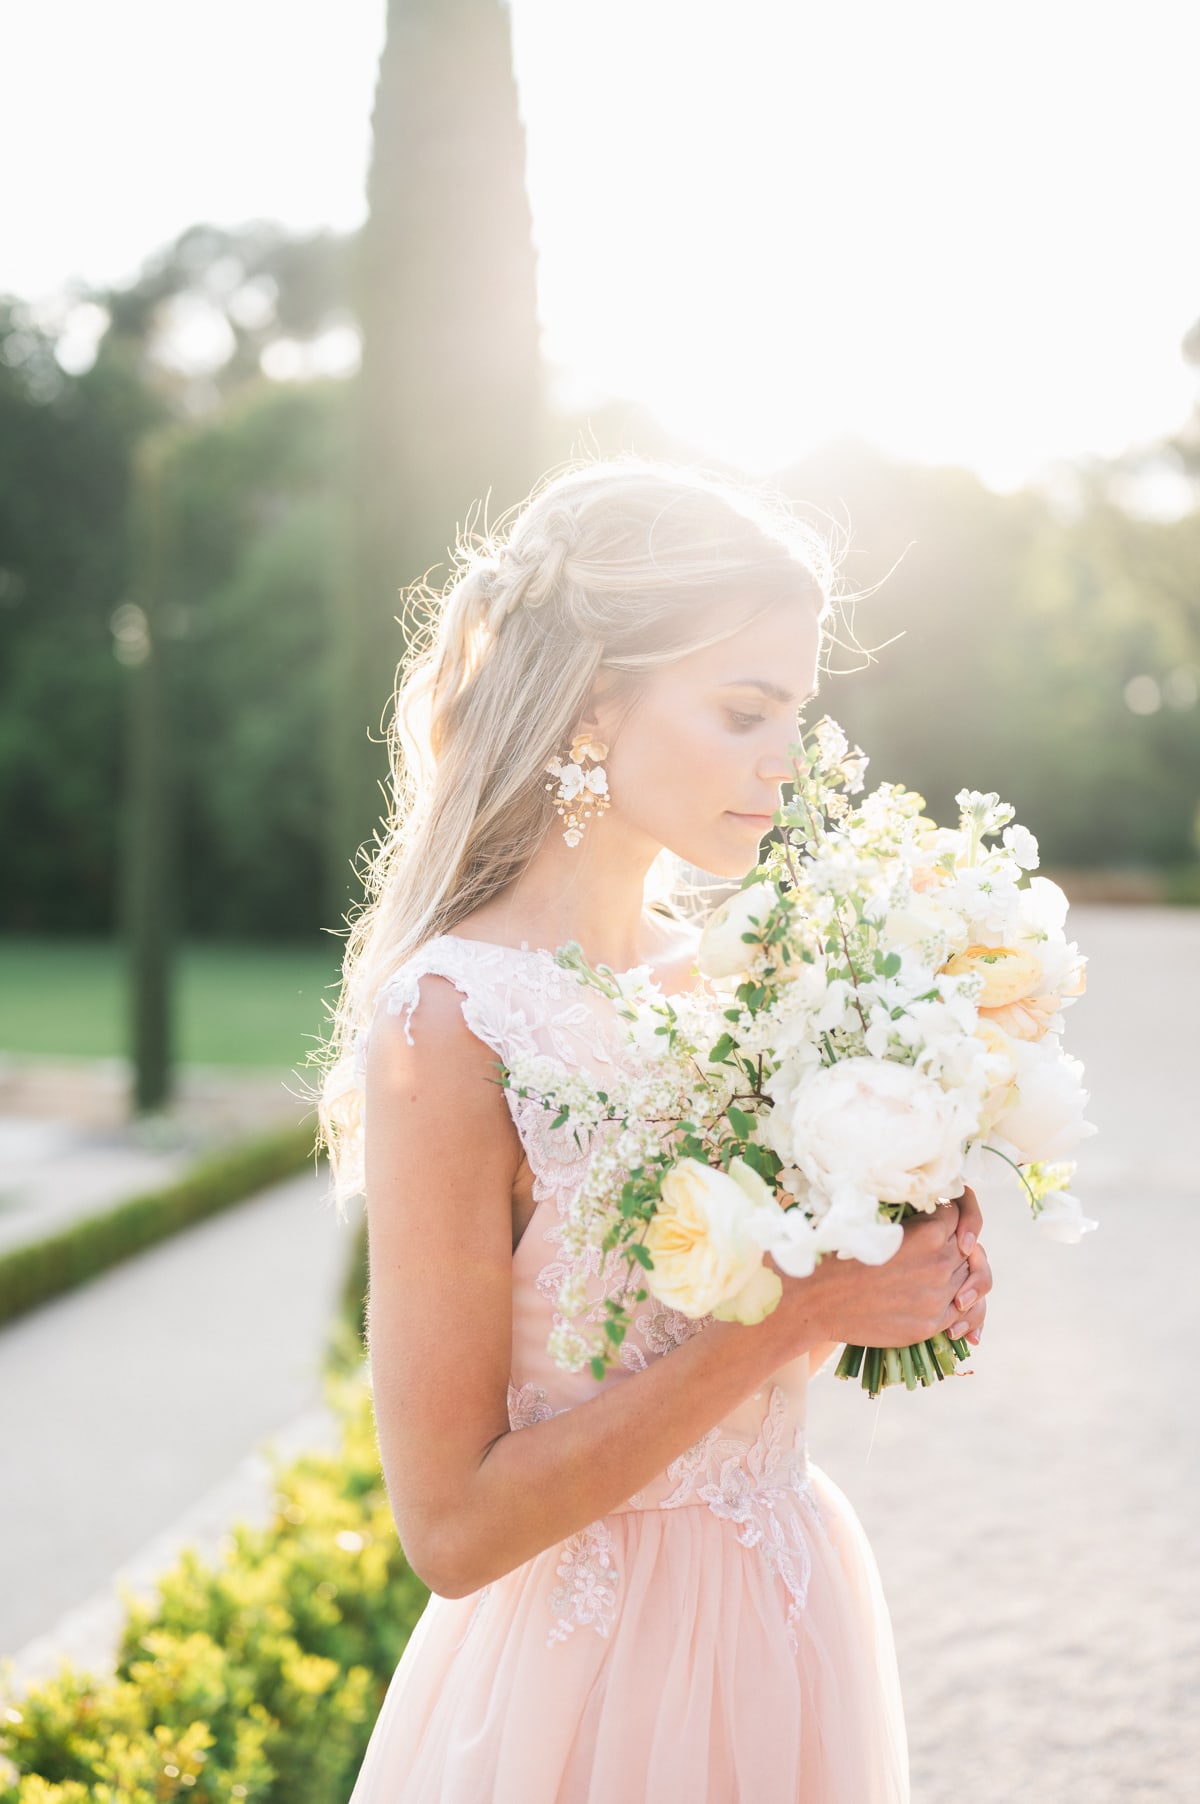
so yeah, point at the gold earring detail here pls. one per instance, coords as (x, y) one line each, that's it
(581, 793)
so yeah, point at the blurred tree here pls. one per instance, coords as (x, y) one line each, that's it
(258, 540)
(66, 444)
(448, 401)
(206, 311)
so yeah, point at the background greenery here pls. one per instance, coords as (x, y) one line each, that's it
(239, 1003)
(1019, 630)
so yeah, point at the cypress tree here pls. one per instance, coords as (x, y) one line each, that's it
(447, 403)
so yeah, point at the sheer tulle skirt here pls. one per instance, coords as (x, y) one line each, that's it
(694, 1693)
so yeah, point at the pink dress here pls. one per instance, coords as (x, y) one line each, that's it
(722, 1637)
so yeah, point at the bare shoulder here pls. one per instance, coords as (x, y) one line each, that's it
(437, 1122)
(428, 1051)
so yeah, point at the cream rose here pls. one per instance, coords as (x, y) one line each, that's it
(706, 1241)
(722, 951)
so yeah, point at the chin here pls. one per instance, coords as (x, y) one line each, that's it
(720, 859)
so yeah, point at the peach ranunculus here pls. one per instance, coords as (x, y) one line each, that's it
(1029, 1018)
(707, 1257)
(1008, 975)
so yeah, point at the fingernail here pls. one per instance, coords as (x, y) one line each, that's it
(967, 1298)
(973, 1337)
(967, 1242)
(958, 1330)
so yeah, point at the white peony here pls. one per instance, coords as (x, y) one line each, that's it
(722, 951)
(873, 1129)
(707, 1239)
(1043, 1118)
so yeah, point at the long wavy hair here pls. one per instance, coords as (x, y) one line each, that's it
(620, 564)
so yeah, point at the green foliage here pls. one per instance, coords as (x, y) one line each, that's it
(257, 534)
(33, 1273)
(1020, 628)
(258, 1677)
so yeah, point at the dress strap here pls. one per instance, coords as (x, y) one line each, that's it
(487, 978)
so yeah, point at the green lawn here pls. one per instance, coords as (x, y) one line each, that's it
(236, 1003)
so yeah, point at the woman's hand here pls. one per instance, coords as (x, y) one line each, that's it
(928, 1286)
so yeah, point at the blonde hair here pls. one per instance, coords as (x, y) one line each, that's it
(621, 564)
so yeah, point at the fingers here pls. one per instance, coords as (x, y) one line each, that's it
(970, 1303)
(970, 1220)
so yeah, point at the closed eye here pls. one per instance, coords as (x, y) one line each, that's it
(743, 722)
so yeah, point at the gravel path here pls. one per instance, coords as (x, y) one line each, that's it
(1035, 1524)
(125, 1401)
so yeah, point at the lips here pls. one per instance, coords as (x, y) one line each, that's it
(761, 820)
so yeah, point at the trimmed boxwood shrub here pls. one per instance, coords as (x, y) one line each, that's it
(257, 1678)
(42, 1269)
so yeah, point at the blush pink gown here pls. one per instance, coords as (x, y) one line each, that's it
(722, 1637)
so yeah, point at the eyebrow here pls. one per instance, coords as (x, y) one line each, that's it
(771, 689)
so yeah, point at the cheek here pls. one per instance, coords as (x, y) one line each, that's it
(687, 764)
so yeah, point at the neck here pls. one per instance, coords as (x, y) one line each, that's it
(592, 893)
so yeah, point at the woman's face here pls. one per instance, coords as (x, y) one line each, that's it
(699, 762)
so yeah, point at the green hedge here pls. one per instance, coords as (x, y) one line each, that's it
(258, 1679)
(42, 1269)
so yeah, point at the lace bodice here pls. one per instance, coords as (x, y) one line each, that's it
(516, 999)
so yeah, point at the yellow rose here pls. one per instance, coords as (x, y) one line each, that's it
(707, 1259)
(1008, 975)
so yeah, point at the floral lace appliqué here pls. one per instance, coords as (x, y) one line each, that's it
(527, 1404)
(586, 1597)
(765, 1490)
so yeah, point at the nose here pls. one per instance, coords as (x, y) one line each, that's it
(774, 767)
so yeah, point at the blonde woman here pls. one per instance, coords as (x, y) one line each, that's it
(642, 1589)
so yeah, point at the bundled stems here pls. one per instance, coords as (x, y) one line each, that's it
(926, 1363)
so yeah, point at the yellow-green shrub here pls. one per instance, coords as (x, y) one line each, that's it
(257, 1678)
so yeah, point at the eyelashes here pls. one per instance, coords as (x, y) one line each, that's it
(743, 722)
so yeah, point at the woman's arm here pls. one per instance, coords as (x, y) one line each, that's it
(471, 1499)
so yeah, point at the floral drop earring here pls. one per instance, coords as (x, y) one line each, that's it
(581, 793)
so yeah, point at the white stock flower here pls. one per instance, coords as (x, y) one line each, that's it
(1020, 843)
(706, 1241)
(854, 1229)
(793, 1243)
(1060, 1216)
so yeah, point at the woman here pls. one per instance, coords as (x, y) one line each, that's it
(642, 1589)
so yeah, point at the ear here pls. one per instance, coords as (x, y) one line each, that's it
(606, 706)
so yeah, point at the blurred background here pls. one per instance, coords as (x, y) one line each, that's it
(292, 293)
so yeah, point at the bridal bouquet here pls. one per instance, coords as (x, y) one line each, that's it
(880, 1026)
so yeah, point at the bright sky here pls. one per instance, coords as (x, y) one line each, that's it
(963, 231)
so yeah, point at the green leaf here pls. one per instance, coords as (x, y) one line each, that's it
(741, 1123)
(615, 1332)
(642, 1256)
(597, 1365)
